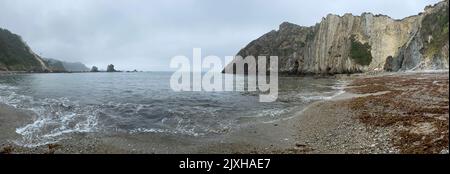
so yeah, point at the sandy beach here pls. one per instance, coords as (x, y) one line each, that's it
(384, 113)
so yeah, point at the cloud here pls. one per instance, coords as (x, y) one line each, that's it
(143, 34)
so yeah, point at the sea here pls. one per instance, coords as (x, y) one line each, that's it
(63, 104)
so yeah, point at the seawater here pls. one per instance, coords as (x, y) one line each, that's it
(109, 103)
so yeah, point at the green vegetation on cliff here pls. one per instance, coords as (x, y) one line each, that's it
(360, 52)
(435, 29)
(15, 55)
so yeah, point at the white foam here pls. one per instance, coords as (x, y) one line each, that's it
(426, 71)
(52, 120)
(340, 86)
(190, 132)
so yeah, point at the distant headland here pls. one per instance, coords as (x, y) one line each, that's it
(17, 56)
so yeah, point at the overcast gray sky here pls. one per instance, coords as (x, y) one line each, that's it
(146, 34)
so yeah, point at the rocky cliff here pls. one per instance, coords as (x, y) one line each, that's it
(428, 47)
(15, 55)
(349, 44)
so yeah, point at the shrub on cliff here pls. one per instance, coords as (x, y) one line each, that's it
(359, 52)
(435, 31)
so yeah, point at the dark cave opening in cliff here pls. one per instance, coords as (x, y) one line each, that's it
(296, 65)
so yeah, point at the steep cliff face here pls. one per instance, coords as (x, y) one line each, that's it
(15, 55)
(428, 47)
(349, 44)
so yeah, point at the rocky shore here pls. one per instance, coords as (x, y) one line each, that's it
(377, 114)
(383, 113)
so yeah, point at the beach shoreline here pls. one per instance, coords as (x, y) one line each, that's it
(336, 126)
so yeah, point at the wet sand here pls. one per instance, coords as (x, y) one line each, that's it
(10, 119)
(367, 118)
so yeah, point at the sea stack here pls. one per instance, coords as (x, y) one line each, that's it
(94, 69)
(110, 68)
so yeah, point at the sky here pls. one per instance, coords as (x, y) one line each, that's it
(146, 34)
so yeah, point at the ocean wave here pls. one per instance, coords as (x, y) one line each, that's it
(52, 118)
(321, 97)
(338, 87)
(156, 130)
(180, 126)
(269, 113)
(57, 118)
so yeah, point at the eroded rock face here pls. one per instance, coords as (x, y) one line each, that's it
(428, 48)
(329, 46)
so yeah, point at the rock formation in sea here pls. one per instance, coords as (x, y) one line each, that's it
(110, 68)
(350, 44)
(94, 69)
